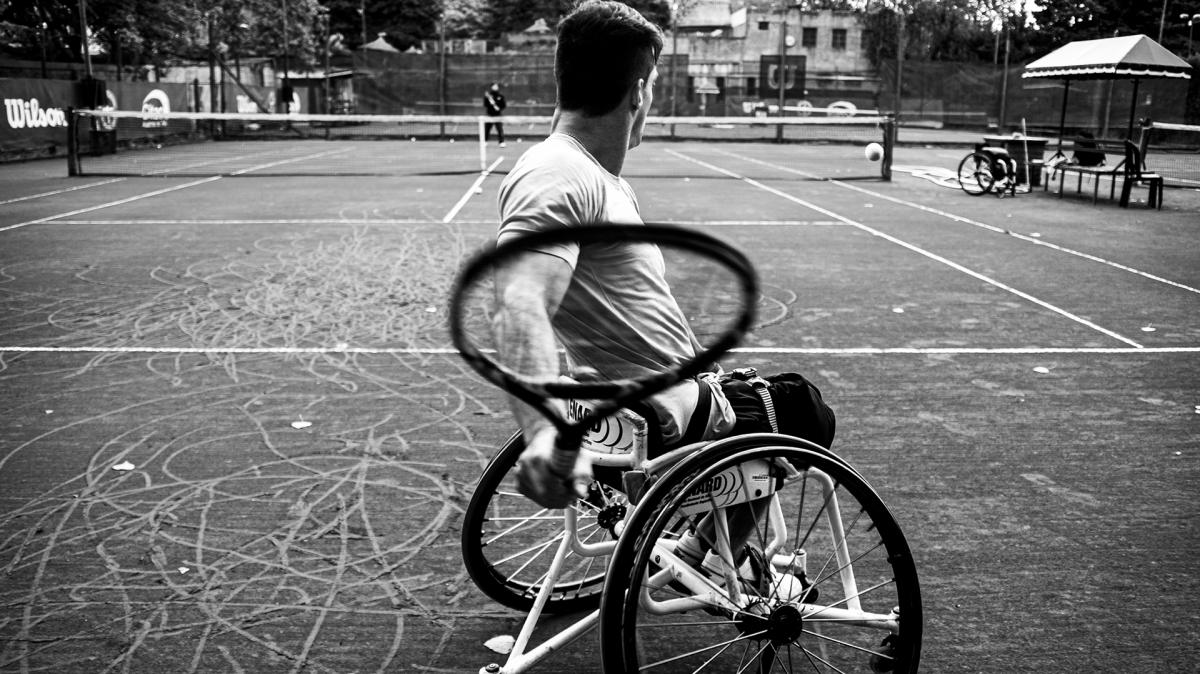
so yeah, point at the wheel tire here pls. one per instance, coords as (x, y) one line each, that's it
(508, 542)
(759, 635)
(975, 174)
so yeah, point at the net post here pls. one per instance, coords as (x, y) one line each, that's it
(1145, 129)
(889, 144)
(72, 143)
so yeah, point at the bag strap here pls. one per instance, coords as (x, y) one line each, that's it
(763, 388)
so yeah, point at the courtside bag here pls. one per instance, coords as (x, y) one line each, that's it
(783, 403)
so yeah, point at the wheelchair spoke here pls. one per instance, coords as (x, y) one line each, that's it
(723, 646)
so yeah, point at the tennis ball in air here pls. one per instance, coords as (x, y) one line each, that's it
(874, 151)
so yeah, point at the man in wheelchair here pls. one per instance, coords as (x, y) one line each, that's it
(610, 306)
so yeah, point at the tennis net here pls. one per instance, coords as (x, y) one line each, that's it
(1173, 152)
(227, 144)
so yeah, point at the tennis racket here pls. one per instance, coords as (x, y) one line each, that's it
(714, 285)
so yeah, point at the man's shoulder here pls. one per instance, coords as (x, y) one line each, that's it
(555, 159)
(553, 180)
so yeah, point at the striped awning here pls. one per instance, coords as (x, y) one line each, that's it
(1131, 56)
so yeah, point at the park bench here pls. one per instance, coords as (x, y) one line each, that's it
(1122, 161)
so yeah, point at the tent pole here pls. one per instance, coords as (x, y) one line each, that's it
(1062, 118)
(1132, 109)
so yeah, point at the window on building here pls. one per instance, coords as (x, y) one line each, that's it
(809, 37)
(839, 38)
(764, 25)
(751, 86)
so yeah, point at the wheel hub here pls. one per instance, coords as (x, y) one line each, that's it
(609, 516)
(785, 624)
(781, 625)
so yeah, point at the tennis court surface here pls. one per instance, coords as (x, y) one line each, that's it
(235, 438)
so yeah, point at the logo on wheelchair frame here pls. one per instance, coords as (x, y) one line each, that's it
(620, 433)
(737, 484)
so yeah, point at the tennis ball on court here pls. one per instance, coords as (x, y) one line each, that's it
(874, 151)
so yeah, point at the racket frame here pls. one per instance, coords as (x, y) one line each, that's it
(609, 396)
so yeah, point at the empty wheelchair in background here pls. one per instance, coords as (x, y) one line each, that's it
(988, 169)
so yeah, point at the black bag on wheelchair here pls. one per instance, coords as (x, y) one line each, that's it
(789, 400)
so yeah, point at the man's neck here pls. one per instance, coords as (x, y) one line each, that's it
(606, 137)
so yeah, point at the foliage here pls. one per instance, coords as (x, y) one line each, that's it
(952, 30)
(1061, 21)
(156, 31)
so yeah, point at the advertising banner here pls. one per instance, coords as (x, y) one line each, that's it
(769, 76)
(35, 110)
(35, 113)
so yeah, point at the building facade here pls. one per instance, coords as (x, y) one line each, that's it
(726, 44)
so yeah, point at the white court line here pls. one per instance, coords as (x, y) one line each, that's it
(435, 351)
(118, 202)
(429, 221)
(975, 223)
(273, 221)
(915, 249)
(293, 160)
(169, 189)
(477, 185)
(747, 223)
(62, 191)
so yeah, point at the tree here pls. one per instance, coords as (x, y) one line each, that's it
(510, 16)
(1062, 21)
(951, 30)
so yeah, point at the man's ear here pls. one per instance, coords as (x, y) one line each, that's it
(635, 96)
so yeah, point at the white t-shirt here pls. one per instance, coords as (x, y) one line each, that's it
(618, 315)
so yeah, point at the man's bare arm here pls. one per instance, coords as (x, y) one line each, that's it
(528, 293)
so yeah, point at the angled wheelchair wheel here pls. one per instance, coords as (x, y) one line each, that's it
(811, 574)
(975, 174)
(508, 541)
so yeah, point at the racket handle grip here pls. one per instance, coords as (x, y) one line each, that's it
(562, 461)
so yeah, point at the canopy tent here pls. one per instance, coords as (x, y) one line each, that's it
(1128, 57)
(380, 44)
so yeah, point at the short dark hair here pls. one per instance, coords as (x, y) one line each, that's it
(604, 48)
